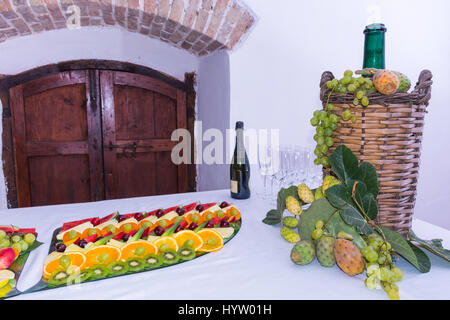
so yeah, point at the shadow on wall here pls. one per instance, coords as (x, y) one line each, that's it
(213, 115)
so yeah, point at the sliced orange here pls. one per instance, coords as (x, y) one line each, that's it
(16, 252)
(77, 259)
(137, 249)
(207, 215)
(230, 216)
(165, 243)
(134, 226)
(212, 241)
(169, 222)
(86, 232)
(105, 230)
(68, 241)
(185, 235)
(101, 255)
(189, 219)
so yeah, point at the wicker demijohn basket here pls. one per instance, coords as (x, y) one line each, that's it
(388, 134)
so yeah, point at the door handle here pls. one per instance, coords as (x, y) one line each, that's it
(125, 147)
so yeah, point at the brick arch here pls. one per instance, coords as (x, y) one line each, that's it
(198, 26)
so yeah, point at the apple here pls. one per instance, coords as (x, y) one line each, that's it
(7, 257)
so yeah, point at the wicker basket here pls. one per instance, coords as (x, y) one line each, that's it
(388, 134)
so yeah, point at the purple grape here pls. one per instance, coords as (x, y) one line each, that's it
(120, 218)
(60, 247)
(125, 237)
(224, 204)
(159, 230)
(159, 213)
(180, 211)
(199, 208)
(193, 226)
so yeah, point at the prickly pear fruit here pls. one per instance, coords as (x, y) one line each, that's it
(318, 194)
(405, 83)
(305, 193)
(293, 206)
(303, 252)
(328, 182)
(290, 222)
(348, 257)
(325, 251)
(386, 82)
(289, 235)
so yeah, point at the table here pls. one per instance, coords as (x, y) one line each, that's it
(253, 265)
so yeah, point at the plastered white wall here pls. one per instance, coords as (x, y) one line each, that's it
(275, 74)
(25, 53)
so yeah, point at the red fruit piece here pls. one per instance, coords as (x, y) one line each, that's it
(183, 223)
(107, 218)
(152, 213)
(209, 224)
(7, 257)
(145, 233)
(132, 233)
(215, 220)
(91, 238)
(119, 236)
(95, 221)
(27, 230)
(190, 207)
(70, 225)
(206, 206)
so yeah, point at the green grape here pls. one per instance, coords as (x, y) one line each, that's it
(322, 115)
(333, 126)
(5, 243)
(93, 231)
(104, 257)
(345, 80)
(17, 245)
(360, 94)
(317, 161)
(397, 275)
(317, 233)
(73, 234)
(385, 246)
(334, 118)
(320, 131)
(163, 223)
(328, 132)
(329, 141)
(334, 82)
(341, 89)
(348, 73)
(16, 238)
(319, 224)
(355, 101)
(365, 250)
(314, 121)
(372, 282)
(316, 136)
(329, 84)
(393, 294)
(320, 141)
(64, 261)
(330, 107)
(365, 101)
(372, 269)
(354, 119)
(24, 245)
(326, 123)
(351, 87)
(2, 234)
(347, 114)
(145, 224)
(194, 218)
(361, 80)
(385, 274)
(316, 113)
(374, 237)
(325, 162)
(140, 251)
(317, 152)
(323, 148)
(381, 259)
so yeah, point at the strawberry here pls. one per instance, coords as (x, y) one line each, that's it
(145, 233)
(118, 236)
(215, 220)
(91, 238)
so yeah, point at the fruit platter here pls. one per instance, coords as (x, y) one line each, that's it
(120, 244)
(15, 246)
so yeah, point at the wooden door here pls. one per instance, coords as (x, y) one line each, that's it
(57, 139)
(139, 115)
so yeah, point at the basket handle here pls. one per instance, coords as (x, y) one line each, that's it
(423, 86)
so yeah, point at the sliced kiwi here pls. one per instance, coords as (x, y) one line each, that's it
(117, 268)
(186, 253)
(170, 257)
(152, 261)
(58, 278)
(99, 271)
(135, 264)
(85, 275)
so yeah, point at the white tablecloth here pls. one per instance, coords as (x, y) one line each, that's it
(253, 265)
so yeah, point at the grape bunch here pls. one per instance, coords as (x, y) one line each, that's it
(326, 122)
(360, 86)
(21, 242)
(380, 270)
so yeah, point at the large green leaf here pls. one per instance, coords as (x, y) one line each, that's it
(273, 217)
(341, 198)
(322, 210)
(366, 173)
(434, 246)
(344, 163)
(407, 250)
(366, 200)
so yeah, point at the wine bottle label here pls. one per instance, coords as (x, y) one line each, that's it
(234, 186)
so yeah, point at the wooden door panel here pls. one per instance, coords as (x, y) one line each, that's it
(67, 120)
(52, 183)
(57, 139)
(139, 115)
(134, 109)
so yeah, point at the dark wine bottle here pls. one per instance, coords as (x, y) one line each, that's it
(240, 167)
